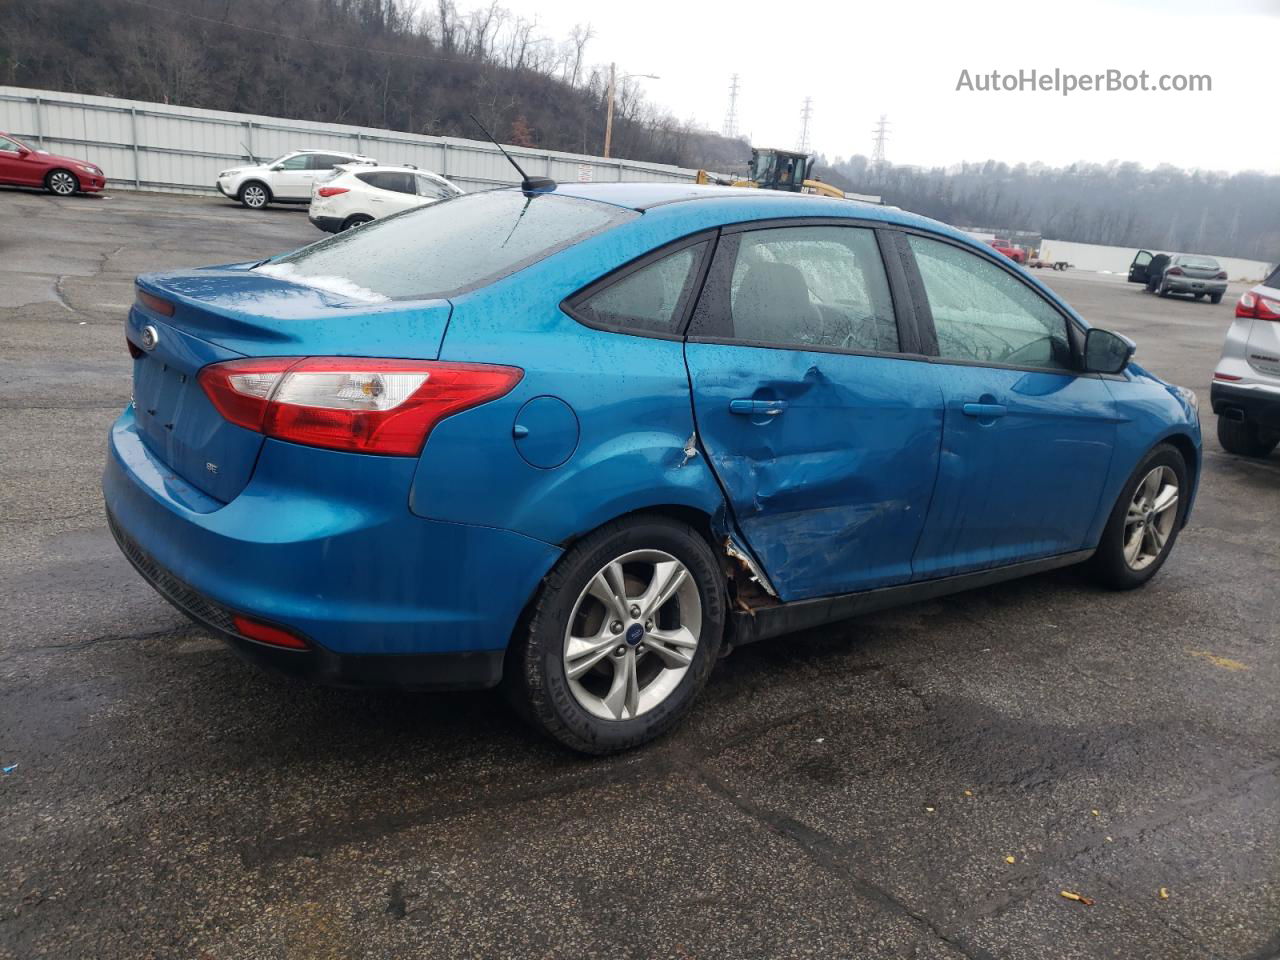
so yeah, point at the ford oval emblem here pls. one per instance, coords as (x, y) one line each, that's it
(150, 337)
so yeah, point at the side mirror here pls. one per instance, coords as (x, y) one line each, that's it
(278, 166)
(1107, 352)
(23, 153)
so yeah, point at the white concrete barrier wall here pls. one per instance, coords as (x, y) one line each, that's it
(1104, 259)
(157, 146)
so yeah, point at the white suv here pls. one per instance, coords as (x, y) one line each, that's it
(1246, 383)
(286, 179)
(356, 195)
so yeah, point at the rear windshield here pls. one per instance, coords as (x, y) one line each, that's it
(1208, 263)
(446, 248)
(1274, 279)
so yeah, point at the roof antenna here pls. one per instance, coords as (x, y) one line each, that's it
(527, 183)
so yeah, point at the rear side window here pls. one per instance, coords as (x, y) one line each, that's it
(326, 161)
(389, 180)
(983, 314)
(651, 299)
(444, 249)
(820, 287)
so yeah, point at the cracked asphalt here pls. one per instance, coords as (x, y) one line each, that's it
(856, 791)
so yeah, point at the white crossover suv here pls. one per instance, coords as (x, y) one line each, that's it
(357, 194)
(286, 179)
(1246, 383)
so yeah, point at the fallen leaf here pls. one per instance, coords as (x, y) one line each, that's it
(929, 809)
(968, 793)
(1164, 893)
(1223, 663)
(1087, 901)
(1010, 859)
(1094, 812)
(1109, 840)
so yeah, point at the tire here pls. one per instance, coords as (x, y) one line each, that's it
(1163, 291)
(1215, 298)
(1244, 439)
(1115, 564)
(1199, 296)
(599, 710)
(254, 194)
(62, 183)
(355, 220)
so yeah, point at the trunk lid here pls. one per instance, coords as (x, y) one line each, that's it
(229, 312)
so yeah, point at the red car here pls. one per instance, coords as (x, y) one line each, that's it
(25, 166)
(1016, 254)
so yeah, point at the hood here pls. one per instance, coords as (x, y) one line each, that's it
(62, 158)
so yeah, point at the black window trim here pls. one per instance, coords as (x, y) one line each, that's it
(1075, 332)
(904, 315)
(570, 303)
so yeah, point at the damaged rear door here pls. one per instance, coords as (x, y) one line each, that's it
(820, 419)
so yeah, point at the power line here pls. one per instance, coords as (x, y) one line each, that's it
(731, 117)
(806, 113)
(289, 36)
(880, 136)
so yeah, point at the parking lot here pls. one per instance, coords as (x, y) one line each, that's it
(922, 783)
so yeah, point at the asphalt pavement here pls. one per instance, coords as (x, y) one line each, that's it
(923, 783)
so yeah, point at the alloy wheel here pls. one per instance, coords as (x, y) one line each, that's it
(1149, 522)
(255, 197)
(62, 183)
(632, 634)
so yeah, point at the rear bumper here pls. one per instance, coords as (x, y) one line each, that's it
(1255, 404)
(323, 543)
(1188, 285)
(327, 224)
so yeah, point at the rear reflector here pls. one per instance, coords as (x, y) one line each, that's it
(154, 303)
(351, 403)
(266, 633)
(332, 191)
(1224, 376)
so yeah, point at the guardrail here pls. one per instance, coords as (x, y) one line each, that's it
(155, 146)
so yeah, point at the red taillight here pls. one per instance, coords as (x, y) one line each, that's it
(1222, 275)
(1258, 307)
(1173, 272)
(332, 191)
(266, 633)
(351, 403)
(154, 303)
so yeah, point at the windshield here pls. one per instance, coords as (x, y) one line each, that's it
(447, 248)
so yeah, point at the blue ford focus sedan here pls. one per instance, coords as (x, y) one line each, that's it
(576, 440)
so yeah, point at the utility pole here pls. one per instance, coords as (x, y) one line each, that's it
(731, 118)
(613, 88)
(608, 123)
(806, 112)
(881, 134)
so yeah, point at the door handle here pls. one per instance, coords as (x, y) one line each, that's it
(757, 408)
(984, 410)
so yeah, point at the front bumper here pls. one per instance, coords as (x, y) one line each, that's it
(224, 189)
(1256, 404)
(323, 543)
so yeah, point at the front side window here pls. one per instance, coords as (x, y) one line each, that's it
(301, 162)
(819, 287)
(984, 314)
(8, 146)
(651, 299)
(443, 249)
(435, 189)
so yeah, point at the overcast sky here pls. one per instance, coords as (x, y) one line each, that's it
(903, 58)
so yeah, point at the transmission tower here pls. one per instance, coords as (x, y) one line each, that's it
(880, 135)
(731, 116)
(806, 113)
